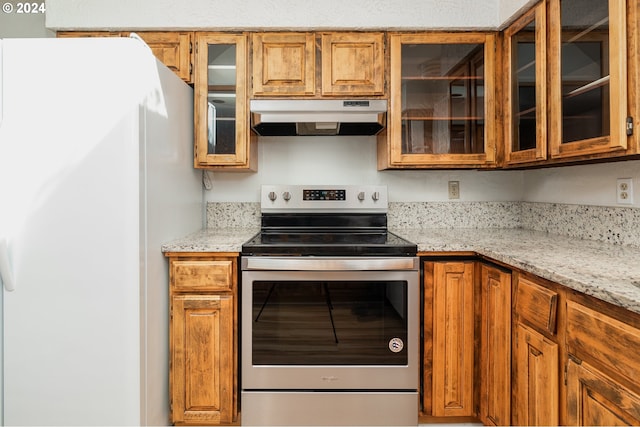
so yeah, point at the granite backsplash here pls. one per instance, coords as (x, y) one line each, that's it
(608, 224)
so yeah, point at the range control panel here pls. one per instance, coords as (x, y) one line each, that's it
(324, 195)
(324, 198)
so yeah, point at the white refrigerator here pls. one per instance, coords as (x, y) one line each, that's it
(96, 172)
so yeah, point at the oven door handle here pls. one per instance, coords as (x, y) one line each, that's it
(330, 264)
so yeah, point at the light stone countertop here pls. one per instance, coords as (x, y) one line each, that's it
(212, 240)
(603, 270)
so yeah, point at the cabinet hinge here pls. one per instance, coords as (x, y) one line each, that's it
(629, 126)
(190, 47)
(566, 366)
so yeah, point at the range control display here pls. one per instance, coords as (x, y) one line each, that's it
(323, 194)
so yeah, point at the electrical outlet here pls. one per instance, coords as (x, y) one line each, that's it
(454, 189)
(624, 191)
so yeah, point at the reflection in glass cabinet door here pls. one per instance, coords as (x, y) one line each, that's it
(442, 101)
(222, 137)
(525, 96)
(588, 60)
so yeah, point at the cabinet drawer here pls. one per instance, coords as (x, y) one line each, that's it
(202, 275)
(598, 337)
(536, 305)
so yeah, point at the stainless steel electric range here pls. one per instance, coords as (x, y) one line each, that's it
(329, 311)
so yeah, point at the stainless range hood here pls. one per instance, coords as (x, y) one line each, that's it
(288, 117)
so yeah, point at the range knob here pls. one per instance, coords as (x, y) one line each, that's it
(361, 196)
(286, 196)
(273, 196)
(375, 196)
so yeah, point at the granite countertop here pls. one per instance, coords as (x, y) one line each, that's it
(212, 240)
(603, 270)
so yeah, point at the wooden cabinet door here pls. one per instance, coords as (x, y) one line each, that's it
(451, 296)
(221, 114)
(442, 102)
(283, 64)
(593, 399)
(536, 379)
(202, 359)
(174, 49)
(495, 346)
(588, 58)
(353, 64)
(525, 107)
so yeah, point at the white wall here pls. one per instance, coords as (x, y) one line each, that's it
(585, 184)
(352, 160)
(23, 25)
(272, 14)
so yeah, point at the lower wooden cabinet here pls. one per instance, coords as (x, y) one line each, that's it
(594, 399)
(535, 383)
(449, 339)
(536, 354)
(603, 365)
(202, 385)
(495, 346)
(203, 373)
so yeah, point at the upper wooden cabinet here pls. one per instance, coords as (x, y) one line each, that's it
(222, 137)
(525, 108)
(586, 105)
(352, 64)
(442, 102)
(283, 64)
(588, 77)
(173, 48)
(290, 64)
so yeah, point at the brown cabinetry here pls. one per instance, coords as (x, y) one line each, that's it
(603, 368)
(283, 64)
(222, 137)
(286, 64)
(203, 338)
(448, 360)
(536, 353)
(495, 346)
(442, 102)
(571, 82)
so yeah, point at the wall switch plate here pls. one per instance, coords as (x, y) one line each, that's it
(624, 191)
(454, 189)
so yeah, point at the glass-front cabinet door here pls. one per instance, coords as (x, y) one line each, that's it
(588, 77)
(222, 136)
(525, 110)
(442, 103)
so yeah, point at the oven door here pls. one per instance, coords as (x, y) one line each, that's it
(318, 323)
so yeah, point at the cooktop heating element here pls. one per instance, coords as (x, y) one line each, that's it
(326, 221)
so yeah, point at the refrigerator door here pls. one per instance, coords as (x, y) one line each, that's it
(73, 185)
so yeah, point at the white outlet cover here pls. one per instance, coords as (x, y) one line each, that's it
(624, 191)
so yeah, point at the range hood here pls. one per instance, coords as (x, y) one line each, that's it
(288, 117)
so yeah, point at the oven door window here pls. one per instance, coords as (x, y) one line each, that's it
(329, 323)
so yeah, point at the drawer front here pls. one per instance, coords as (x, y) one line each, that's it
(202, 275)
(537, 305)
(596, 336)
